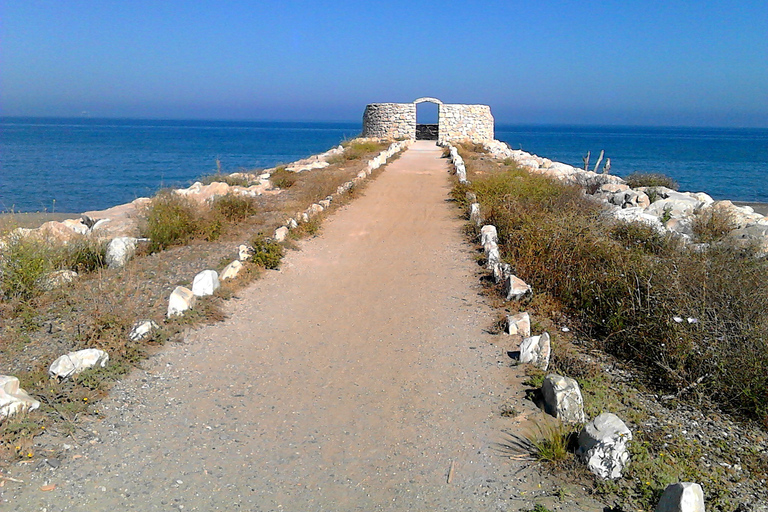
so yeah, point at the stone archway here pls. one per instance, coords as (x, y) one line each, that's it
(428, 131)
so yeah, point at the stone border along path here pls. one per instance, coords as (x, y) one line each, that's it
(603, 440)
(359, 377)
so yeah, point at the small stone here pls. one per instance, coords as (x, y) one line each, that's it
(58, 278)
(181, 299)
(682, 497)
(205, 283)
(536, 350)
(519, 324)
(603, 446)
(515, 288)
(244, 252)
(13, 399)
(281, 234)
(474, 214)
(231, 270)
(488, 233)
(120, 250)
(142, 329)
(562, 398)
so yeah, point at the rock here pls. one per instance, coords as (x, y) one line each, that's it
(325, 203)
(205, 283)
(515, 288)
(501, 272)
(519, 324)
(58, 278)
(291, 224)
(474, 214)
(181, 299)
(471, 197)
(603, 446)
(231, 270)
(682, 497)
(244, 252)
(488, 233)
(492, 255)
(120, 250)
(142, 329)
(562, 398)
(13, 399)
(314, 209)
(613, 187)
(536, 350)
(75, 362)
(281, 234)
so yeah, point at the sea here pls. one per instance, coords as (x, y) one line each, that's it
(80, 164)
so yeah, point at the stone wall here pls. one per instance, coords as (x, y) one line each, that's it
(465, 122)
(456, 122)
(390, 121)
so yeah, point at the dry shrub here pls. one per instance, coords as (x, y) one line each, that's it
(625, 284)
(650, 179)
(281, 178)
(173, 219)
(232, 181)
(235, 207)
(713, 224)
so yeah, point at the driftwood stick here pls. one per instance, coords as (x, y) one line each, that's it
(586, 160)
(450, 472)
(600, 159)
(8, 478)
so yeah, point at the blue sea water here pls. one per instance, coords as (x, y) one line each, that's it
(726, 163)
(75, 165)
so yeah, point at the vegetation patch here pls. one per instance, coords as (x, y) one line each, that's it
(650, 179)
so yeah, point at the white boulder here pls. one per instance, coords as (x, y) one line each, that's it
(205, 283)
(244, 252)
(488, 233)
(142, 329)
(13, 399)
(536, 350)
(682, 497)
(562, 398)
(603, 446)
(474, 214)
(75, 362)
(281, 233)
(515, 288)
(181, 299)
(492, 255)
(501, 272)
(231, 270)
(120, 250)
(519, 324)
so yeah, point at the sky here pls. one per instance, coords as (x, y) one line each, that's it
(630, 62)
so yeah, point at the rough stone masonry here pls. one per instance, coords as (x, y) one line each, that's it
(455, 121)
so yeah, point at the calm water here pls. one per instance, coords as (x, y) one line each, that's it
(726, 163)
(74, 165)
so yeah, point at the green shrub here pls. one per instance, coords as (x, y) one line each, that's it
(84, 254)
(171, 220)
(23, 264)
(551, 443)
(650, 179)
(282, 178)
(235, 207)
(266, 252)
(232, 181)
(356, 150)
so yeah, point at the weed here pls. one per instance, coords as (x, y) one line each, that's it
(173, 219)
(24, 263)
(235, 207)
(267, 252)
(551, 443)
(232, 181)
(650, 179)
(281, 178)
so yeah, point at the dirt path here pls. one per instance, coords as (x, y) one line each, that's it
(359, 377)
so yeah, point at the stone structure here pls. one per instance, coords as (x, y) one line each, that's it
(455, 122)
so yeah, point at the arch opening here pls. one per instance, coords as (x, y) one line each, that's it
(427, 120)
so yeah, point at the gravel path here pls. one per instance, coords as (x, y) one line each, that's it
(359, 377)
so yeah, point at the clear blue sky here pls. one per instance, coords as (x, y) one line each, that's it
(624, 62)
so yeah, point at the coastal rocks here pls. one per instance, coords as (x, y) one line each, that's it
(682, 497)
(515, 288)
(231, 270)
(205, 283)
(120, 250)
(603, 446)
(536, 350)
(637, 214)
(519, 324)
(181, 300)
(142, 329)
(75, 362)
(13, 399)
(562, 398)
